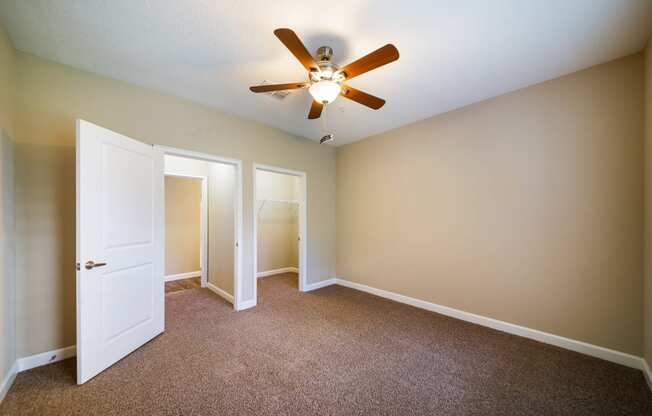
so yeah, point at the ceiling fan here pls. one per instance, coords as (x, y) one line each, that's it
(326, 81)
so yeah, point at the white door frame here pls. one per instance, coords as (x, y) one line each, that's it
(303, 224)
(237, 207)
(203, 224)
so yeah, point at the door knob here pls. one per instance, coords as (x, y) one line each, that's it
(91, 265)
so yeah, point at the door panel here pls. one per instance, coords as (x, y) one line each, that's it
(120, 305)
(127, 300)
(127, 197)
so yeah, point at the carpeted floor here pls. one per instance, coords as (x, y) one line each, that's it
(335, 351)
(183, 284)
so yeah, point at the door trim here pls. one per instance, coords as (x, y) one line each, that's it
(237, 207)
(303, 225)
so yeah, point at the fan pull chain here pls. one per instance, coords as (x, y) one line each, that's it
(323, 120)
(327, 137)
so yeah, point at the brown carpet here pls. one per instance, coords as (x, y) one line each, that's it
(183, 284)
(335, 351)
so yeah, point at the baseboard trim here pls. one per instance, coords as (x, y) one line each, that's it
(277, 271)
(647, 372)
(547, 338)
(180, 276)
(247, 304)
(319, 285)
(37, 360)
(8, 381)
(219, 292)
(48, 357)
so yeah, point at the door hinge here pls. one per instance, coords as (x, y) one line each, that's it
(77, 266)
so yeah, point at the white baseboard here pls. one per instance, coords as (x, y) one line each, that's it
(33, 361)
(277, 271)
(319, 285)
(8, 380)
(48, 357)
(246, 304)
(647, 372)
(219, 292)
(547, 338)
(180, 276)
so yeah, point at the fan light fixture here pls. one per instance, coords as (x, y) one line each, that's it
(325, 79)
(325, 91)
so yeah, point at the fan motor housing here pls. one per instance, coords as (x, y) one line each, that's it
(324, 53)
(327, 69)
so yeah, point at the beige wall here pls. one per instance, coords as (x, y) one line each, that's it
(526, 208)
(7, 225)
(221, 238)
(45, 247)
(7, 84)
(278, 222)
(182, 224)
(648, 203)
(51, 96)
(7, 257)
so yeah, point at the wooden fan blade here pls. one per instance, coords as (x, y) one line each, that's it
(277, 87)
(315, 110)
(362, 97)
(294, 44)
(375, 59)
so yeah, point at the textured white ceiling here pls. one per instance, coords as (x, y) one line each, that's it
(453, 52)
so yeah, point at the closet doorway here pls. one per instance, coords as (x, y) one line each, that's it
(186, 217)
(203, 223)
(280, 226)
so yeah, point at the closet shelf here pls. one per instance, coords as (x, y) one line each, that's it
(262, 202)
(284, 201)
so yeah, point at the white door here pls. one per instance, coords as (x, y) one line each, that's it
(120, 247)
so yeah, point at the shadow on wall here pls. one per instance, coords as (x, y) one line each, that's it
(45, 248)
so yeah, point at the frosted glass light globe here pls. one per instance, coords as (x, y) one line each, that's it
(325, 91)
